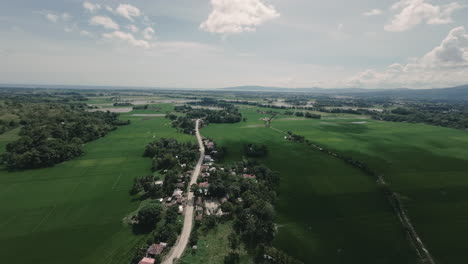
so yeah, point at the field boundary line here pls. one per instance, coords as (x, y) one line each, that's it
(44, 218)
(120, 175)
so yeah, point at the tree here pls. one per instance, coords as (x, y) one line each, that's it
(232, 258)
(234, 241)
(149, 215)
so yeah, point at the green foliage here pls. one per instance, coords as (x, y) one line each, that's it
(439, 114)
(255, 151)
(168, 153)
(53, 133)
(149, 215)
(184, 124)
(312, 116)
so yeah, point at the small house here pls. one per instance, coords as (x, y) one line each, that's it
(249, 176)
(208, 158)
(158, 183)
(177, 193)
(146, 260)
(204, 185)
(156, 249)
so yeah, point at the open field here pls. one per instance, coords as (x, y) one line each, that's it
(426, 164)
(7, 137)
(213, 246)
(328, 211)
(73, 212)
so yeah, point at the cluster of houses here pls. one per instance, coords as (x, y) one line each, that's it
(205, 206)
(153, 251)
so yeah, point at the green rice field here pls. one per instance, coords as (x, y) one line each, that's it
(427, 165)
(73, 212)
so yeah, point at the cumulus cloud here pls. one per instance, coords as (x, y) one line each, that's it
(128, 11)
(55, 17)
(127, 37)
(373, 12)
(237, 16)
(91, 7)
(104, 21)
(410, 13)
(52, 17)
(446, 64)
(85, 33)
(66, 16)
(133, 28)
(148, 33)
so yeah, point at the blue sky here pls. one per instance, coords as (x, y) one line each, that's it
(218, 43)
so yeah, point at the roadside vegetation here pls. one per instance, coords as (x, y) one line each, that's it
(159, 217)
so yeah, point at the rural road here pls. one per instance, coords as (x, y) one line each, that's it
(178, 249)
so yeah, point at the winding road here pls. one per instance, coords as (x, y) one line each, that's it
(178, 249)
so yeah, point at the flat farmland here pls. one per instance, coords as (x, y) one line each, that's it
(426, 165)
(328, 212)
(73, 212)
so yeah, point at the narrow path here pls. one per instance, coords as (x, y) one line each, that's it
(178, 249)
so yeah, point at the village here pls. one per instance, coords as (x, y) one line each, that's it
(204, 203)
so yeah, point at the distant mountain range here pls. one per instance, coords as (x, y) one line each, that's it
(459, 93)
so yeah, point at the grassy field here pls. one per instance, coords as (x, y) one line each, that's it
(7, 137)
(428, 165)
(73, 212)
(328, 212)
(213, 246)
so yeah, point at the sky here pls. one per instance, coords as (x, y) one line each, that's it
(222, 43)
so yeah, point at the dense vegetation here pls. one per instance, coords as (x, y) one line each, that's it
(168, 153)
(454, 116)
(186, 124)
(54, 132)
(250, 204)
(229, 114)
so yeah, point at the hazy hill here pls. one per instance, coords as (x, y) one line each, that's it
(453, 93)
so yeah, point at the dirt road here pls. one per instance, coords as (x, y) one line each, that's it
(178, 249)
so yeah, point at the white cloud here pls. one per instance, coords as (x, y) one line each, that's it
(237, 16)
(128, 11)
(373, 12)
(104, 21)
(52, 17)
(340, 27)
(410, 13)
(91, 7)
(85, 33)
(71, 28)
(55, 17)
(133, 28)
(148, 33)
(127, 37)
(446, 64)
(66, 17)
